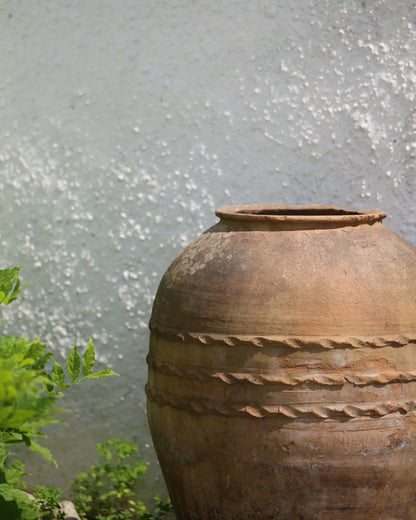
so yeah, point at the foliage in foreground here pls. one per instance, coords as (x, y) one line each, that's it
(30, 388)
(107, 491)
(48, 503)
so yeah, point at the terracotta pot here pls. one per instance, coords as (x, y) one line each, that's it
(282, 368)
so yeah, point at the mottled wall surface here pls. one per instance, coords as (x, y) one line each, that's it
(123, 125)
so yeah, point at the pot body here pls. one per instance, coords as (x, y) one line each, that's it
(282, 368)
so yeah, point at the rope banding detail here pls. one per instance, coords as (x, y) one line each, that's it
(295, 342)
(321, 411)
(289, 378)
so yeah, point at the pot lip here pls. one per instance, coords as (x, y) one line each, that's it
(313, 213)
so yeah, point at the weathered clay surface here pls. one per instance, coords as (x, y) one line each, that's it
(282, 368)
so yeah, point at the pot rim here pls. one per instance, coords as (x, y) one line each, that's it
(313, 213)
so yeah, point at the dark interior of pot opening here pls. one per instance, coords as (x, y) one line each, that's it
(297, 211)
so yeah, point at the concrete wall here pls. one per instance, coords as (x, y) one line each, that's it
(124, 124)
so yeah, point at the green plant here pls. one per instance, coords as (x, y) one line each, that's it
(107, 491)
(48, 502)
(30, 387)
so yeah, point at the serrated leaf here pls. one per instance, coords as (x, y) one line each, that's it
(102, 373)
(36, 349)
(73, 364)
(34, 446)
(88, 360)
(58, 375)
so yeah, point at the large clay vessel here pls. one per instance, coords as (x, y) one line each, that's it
(282, 368)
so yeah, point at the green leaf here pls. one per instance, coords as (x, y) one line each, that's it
(42, 360)
(11, 437)
(36, 349)
(26, 362)
(34, 446)
(16, 505)
(58, 375)
(10, 285)
(47, 382)
(13, 476)
(102, 373)
(19, 417)
(73, 364)
(8, 493)
(45, 405)
(89, 359)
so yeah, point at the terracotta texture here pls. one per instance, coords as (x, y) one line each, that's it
(282, 368)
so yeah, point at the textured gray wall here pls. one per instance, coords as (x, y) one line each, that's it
(124, 124)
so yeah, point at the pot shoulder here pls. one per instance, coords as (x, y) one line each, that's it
(346, 280)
